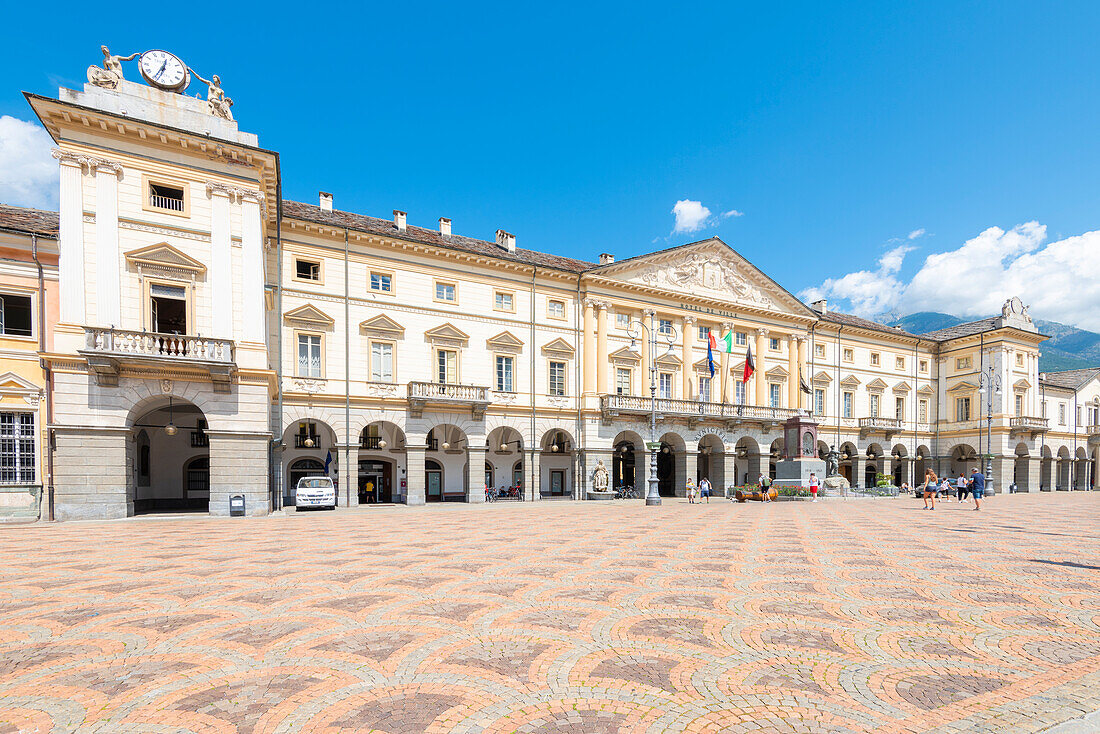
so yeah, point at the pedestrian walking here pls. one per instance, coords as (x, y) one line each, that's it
(813, 486)
(704, 489)
(962, 486)
(977, 487)
(930, 482)
(691, 491)
(945, 488)
(766, 487)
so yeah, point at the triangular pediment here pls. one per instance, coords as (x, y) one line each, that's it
(163, 256)
(505, 341)
(11, 383)
(823, 377)
(963, 386)
(1022, 384)
(850, 381)
(447, 333)
(558, 348)
(902, 386)
(877, 384)
(926, 390)
(625, 354)
(309, 315)
(777, 373)
(669, 360)
(710, 269)
(383, 324)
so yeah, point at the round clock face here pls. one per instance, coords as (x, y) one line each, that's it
(164, 70)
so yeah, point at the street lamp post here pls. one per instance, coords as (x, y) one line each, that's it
(989, 384)
(637, 327)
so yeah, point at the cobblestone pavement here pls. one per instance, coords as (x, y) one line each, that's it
(840, 616)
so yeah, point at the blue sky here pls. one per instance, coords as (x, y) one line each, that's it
(836, 131)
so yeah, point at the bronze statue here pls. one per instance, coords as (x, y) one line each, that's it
(832, 462)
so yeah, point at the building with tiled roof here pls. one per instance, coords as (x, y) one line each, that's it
(233, 342)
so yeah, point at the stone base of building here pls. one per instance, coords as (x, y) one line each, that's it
(91, 476)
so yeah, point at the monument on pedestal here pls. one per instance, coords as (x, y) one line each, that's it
(799, 454)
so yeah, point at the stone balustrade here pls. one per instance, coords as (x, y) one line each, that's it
(613, 405)
(121, 343)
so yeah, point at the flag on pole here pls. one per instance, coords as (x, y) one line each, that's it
(750, 364)
(711, 344)
(802, 383)
(328, 460)
(727, 343)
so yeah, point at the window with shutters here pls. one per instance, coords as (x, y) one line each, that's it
(557, 378)
(446, 366)
(505, 369)
(704, 389)
(664, 385)
(622, 381)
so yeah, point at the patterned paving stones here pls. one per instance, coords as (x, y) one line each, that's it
(560, 617)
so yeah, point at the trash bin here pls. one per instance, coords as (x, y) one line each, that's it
(236, 505)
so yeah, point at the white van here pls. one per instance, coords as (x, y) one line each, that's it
(315, 492)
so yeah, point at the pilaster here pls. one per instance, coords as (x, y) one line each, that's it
(221, 264)
(589, 355)
(760, 383)
(475, 474)
(792, 372)
(803, 372)
(687, 370)
(601, 348)
(239, 466)
(414, 474)
(254, 324)
(1034, 474)
(108, 307)
(532, 475)
(646, 356)
(348, 496)
(71, 239)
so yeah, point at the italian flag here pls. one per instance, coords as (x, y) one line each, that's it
(750, 364)
(727, 343)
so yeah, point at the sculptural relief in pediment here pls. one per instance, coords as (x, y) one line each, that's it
(706, 273)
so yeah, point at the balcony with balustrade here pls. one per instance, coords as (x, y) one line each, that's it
(446, 396)
(693, 411)
(107, 350)
(1093, 433)
(879, 424)
(1029, 425)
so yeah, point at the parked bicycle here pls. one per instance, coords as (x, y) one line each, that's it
(513, 492)
(624, 492)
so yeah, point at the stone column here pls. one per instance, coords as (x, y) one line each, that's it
(108, 305)
(684, 462)
(859, 470)
(792, 372)
(93, 473)
(414, 473)
(475, 473)
(349, 475)
(238, 466)
(254, 325)
(758, 464)
(589, 354)
(601, 348)
(71, 239)
(888, 467)
(686, 326)
(221, 264)
(532, 489)
(1034, 473)
(726, 393)
(758, 376)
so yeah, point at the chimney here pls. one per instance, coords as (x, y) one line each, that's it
(445, 226)
(822, 306)
(399, 220)
(505, 240)
(326, 201)
(606, 258)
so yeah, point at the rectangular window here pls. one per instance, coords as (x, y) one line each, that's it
(664, 326)
(309, 355)
(503, 301)
(874, 359)
(307, 270)
(739, 391)
(741, 338)
(168, 308)
(849, 355)
(963, 363)
(704, 389)
(924, 365)
(773, 344)
(922, 411)
(899, 408)
(664, 385)
(1043, 409)
(962, 409)
(381, 362)
(704, 333)
(1077, 416)
(555, 309)
(17, 448)
(15, 315)
(446, 366)
(1019, 359)
(381, 282)
(504, 374)
(622, 381)
(170, 198)
(847, 406)
(445, 292)
(819, 402)
(557, 378)
(622, 321)
(819, 351)
(872, 405)
(1019, 404)
(775, 395)
(899, 363)
(1061, 414)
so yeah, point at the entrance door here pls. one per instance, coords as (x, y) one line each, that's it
(666, 472)
(375, 482)
(557, 483)
(433, 480)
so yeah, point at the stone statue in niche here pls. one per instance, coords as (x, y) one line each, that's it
(216, 100)
(600, 479)
(110, 74)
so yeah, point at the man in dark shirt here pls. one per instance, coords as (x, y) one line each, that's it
(977, 487)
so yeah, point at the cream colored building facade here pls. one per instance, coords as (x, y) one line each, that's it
(280, 339)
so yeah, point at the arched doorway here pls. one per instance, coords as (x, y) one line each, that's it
(448, 448)
(627, 463)
(920, 465)
(556, 464)
(1046, 469)
(503, 457)
(309, 438)
(847, 461)
(172, 458)
(299, 469)
(1081, 479)
(381, 476)
(433, 481)
(746, 463)
(874, 465)
(901, 464)
(711, 463)
(1020, 473)
(1064, 478)
(964, 457)
(672, 466)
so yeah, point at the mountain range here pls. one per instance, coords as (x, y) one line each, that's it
(1068, 347)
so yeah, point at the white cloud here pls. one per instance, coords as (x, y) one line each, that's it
(1059, 280)
(28, 174)
(732, 213)
(691, 216)
(916, 233)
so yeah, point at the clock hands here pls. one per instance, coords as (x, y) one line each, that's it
(163, 65)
